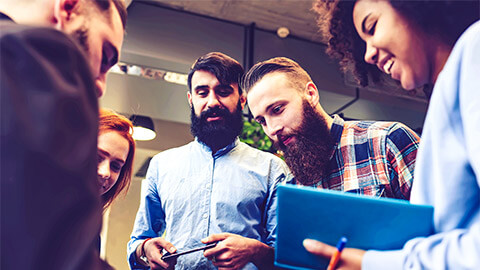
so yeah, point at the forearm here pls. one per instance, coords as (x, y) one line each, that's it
(457, 249)
(263, 256)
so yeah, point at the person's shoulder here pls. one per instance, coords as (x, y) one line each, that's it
(29, 34)
(367, 126)
(471, 35)
(379, 129)
(466, 49)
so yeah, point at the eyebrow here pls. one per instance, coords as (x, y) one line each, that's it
(221, 86)
(364, 29)
(200, 87)
(105, 153)
(224, 86)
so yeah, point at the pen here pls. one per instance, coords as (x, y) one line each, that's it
(336, 256)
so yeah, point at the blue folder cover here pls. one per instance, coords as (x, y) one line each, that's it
(326, 215)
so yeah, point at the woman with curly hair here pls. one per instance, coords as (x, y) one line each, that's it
(116, 149)
(421, 43)
(439, 23)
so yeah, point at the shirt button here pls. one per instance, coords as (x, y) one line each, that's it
(205, 216)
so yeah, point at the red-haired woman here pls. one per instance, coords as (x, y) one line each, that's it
(116, 149)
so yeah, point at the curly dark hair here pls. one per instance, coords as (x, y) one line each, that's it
(446, 19)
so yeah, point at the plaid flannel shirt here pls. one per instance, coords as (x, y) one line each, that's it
(371, 158)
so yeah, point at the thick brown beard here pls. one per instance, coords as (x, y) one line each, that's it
(309, 155)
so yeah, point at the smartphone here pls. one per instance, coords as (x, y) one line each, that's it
(168, 256)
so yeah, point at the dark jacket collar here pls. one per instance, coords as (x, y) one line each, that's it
(4, 16)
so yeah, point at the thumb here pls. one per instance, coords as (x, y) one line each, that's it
(215, 238)
(318, 248)
(162, 243)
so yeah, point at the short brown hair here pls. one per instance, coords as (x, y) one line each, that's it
(111, 121)
(297, 75)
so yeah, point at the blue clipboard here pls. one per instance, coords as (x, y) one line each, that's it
(326, 215)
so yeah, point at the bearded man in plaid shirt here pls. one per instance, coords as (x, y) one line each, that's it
(364, 157)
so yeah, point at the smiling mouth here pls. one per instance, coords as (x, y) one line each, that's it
(214, 118)
(387, 67)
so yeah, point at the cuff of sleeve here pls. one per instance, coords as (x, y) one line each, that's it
(374, 259)
(132, 258)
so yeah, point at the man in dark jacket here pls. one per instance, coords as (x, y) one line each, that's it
(53, 65)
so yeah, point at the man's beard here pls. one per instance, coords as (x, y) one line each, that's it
(220, 133)
(308, 156)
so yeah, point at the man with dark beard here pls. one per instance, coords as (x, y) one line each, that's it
(214, 189)
(365, 157)
(54, 56)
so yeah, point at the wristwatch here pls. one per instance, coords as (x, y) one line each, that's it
(143, 258)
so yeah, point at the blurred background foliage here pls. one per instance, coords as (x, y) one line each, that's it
(254, 136)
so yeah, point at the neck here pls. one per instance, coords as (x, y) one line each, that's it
(441, 53)
(216, 148)
(322, 113)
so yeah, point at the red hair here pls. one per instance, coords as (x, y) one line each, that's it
(112, 121)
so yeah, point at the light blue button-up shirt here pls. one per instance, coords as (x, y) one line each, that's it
(192, 194)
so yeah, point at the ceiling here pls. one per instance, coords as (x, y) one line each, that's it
(296, 15)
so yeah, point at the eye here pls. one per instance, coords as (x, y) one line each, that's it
(261, 121)
(202, 93)
(277, 109)
(116, 167)
(371, 30)
(224, 91)
(109, 57)
(99, 158)
(104, 66)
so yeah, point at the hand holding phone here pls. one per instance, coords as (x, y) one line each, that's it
(168, 256)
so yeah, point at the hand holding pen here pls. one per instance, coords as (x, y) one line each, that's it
(336, 255)
(351, 257)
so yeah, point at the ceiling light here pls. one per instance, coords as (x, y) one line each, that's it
(143, 129)
(283, 32)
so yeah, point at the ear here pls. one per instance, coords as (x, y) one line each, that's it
(63, 11)
(243, 99)
(189, 97)
(311, 94)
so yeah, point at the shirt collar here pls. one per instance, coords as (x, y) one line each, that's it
(220, 152)
(336, 132)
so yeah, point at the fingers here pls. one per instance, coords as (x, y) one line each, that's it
(215, 238)
(318, 248)
(162, 243)
(351, 258)
(215, 251)
(153, 251)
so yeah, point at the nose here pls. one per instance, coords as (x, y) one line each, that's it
(371, 54)
(103, 170)
(273, 129)
(100, 85)
(212, 100)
